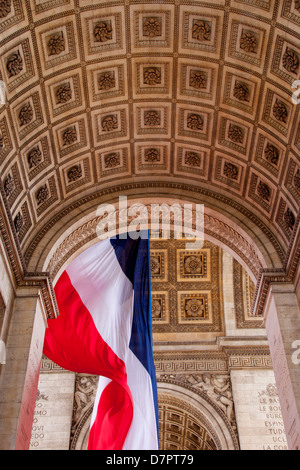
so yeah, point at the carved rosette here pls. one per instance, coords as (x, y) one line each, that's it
(280, 111)
(193, 265)
(201, 30)
(156, 308)
(152, 27)
(26, 114)
(195, 307)
(192, 159)
(230, 170)
(290, 60)
(109, 123)
(241, 91)
(14, 64)
(63, 94)
(152, 155)
(56, 44)
(289, 219)
(5, 8)
(235, 133)
(111, 160)
(74, 173)
(152, 118)
(18, 222)
(297, 5)
(155, 265)
(264, 191)
(69, 136)
(42, 194)
(271, 154)
(195, 122)
(34, 157)
(152, 76)
(297, 180)
(248, 42)
(198, 79)
(9, 185)
(103, 31)
(106, 81)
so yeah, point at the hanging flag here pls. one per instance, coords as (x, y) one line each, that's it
(104, 328)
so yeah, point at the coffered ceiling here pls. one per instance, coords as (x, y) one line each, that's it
(111, 95)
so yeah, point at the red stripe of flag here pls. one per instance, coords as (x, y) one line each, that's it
(73, 342)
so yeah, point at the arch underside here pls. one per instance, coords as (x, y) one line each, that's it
(184, 102)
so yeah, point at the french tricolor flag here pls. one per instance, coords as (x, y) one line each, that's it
(104, 328)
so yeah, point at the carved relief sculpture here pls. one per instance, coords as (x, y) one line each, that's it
(25, 114)
(9, 185)
(152, 118)
(42, 194)
(69, 136)
(218, 390)
(106, 81)
(280, 111)
(198, 79)
(63, 94)
(263, 191)
(14, 64)
(152, 76)
(271, 154)
(230, 170)
(297, 180)
(56, 44)
(195, 122)
(201, 30)
(152, 155)
(103, 31)
(74, 173)
(109, 123)
(290, 60)
(248, 41)
(18, 222)
(241, 91)
(289, 219)
(5, 8)
(34, 157)
(235, 133)
(111, 160)
(152, 27)
(192, 159)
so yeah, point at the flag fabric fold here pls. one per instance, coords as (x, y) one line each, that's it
(104, 328)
